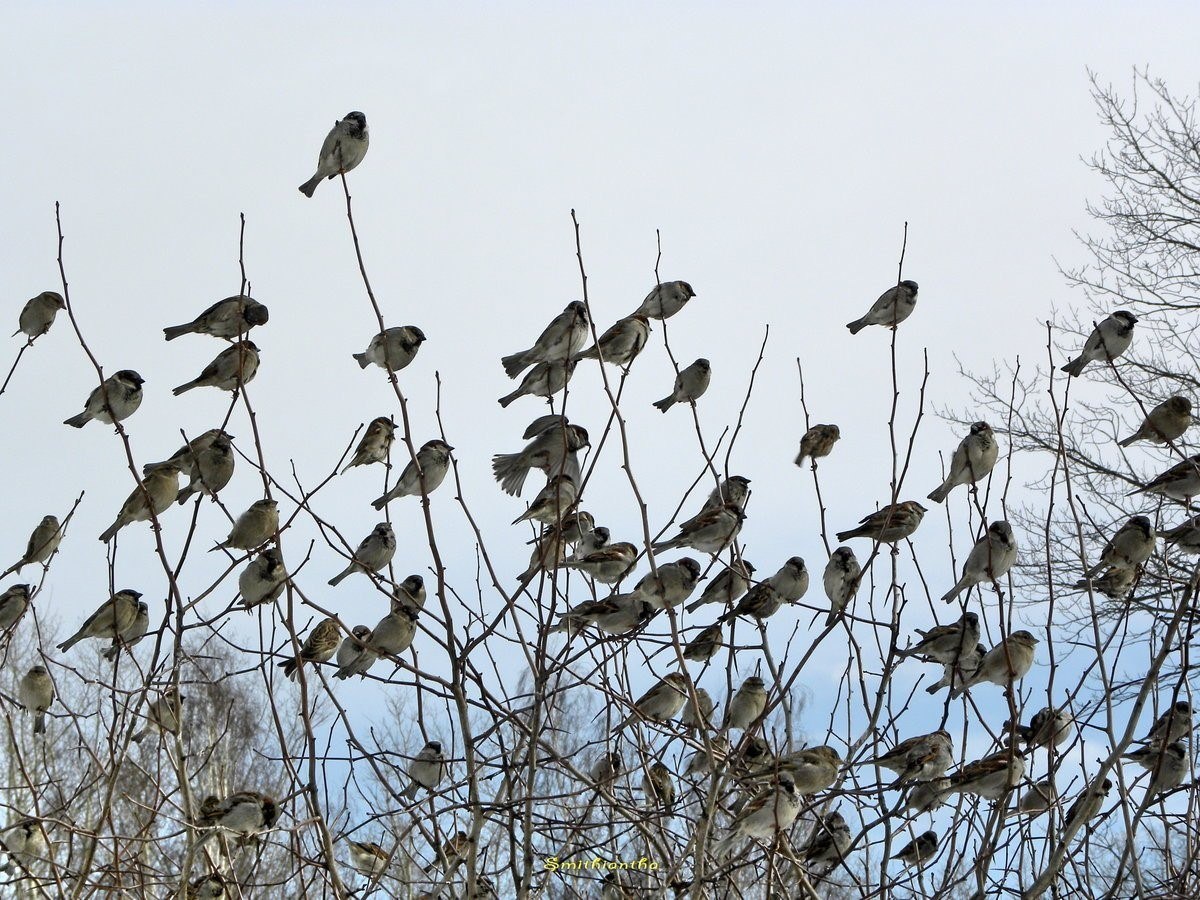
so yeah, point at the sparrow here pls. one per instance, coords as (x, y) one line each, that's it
(773, 810)
(1007, 662)
(989, 560)
(1039, 798)
(662, 702)
(544, 380)
(811, 770)
(944, 643)
(1165, 423)
(368, 858)
(410, 594)
(701, 763)
(1185, 536)
(734, 489)
(353, 646)
(817, 443)
(1131, 546)
(1048, 726)
(1115, 583)
(343, 149)
(320, 645)
(889, 524)
(665, 299)
(991, 777)
(263, 579)
(1168, 766)
(1107, 342)
(117, 398)
(426, 770)
(24, 842)
(38, 314)
(705, 644)
(622, 343)
(114, 616)
(674, 583)
(207, 887)
(373, 553)
(710, 531)
(927, 796)
(959, 672)
(608, 565)
(827, 844)
(552, 450)
(920, 850)
(596, 539)
(234, 366)
(244, 813)
(893, 306)
(163, 715)
(453, 852)
(1180, 482)
(160, 485)
(698, 714)
(375, 444)
(920, 758)
(42, 543)
(658, 788)
(761, 602)
(973, 459)
(559, 340)
(185, 456)
(1173, 725)
(607, 767)
(392, 635)
(393, 348)
(253, 528)
(747, 704)
(211, 468)
(690, 385)
(549, 553)
(552, 501)
(36, 692)
(431, 464)
(843, 574)
(13, 603)
(1087, 806)
(131, 635)
(229, 318)
(727, 586)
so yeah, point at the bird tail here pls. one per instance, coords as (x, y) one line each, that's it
(509, 398)
(800, 458)
(949, 596)
(1132, 439)
(39, 724)
(846, 535)
(831, 619)
(184, 493)
(111, 653)
(311, 185)
(381, 502)
(140, 736)
(1075, 366)
(363, 361)
(175, 331)
(78, 421)
(665, 403)
(934, 688)
(510, 472)
(515, 364)
(941, 492)
(589, 353)
(289, 667)
(856, 326)
(184, 388)
(337, 579)
(112, 530)
(70, 642)
(410, 792)
(692, 607)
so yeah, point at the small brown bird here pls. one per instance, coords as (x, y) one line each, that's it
(1131, 546)
(113, 617)
(1039, 798)
(919, 758)
(726, 587)
(164, 714)
(608, 565)
(889, 524)
(661, 703)
(13, 603)
(1165, 423)
(817, 443)
(320, 646)
(622, 343)
(920, 850)
(734, 489)
(973, 459)
(1115, 584)
(658, 787)
(38, 314)
(210, 467)
(253, 528)
(827, 845)
(1173, 725)
(1107, 341)
(1185, 536)
(41, 546)
(36, 692)
(160, 485)
(560, 339)
(245, 813)
(234, 366)
(747, 704)
(991, 777)
(544, 380)
(393, 348)
(710, 531)
(705, 644)
(1048, 726)
(690, 385)
(893, 306)
(1006, 663)
(229, 318)
(374, 445)
(115, 400)
(207, 887)
(666, 299)
(1180, 482)
(368, 858)
(1088, 804)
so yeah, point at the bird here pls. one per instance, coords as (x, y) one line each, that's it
(422, 476)
(817, 443)
(1115, 583)
(207, 887)
(658, 787)
(729, 584)
(1007, 662)
(245, 813)
(705, 644)
(38, 314)
(772, 811)
(960, 671)
(944, 643)
(343, 149)
(621, 344)
(410, 594)
(544, 380)
(24, 842)
(893, 306)
(920, 758)
(36, 692)
(1185, 536)
(211, 468)
(698, 714)
(13, 603)
(132, 634)
(734, 489)
(989, 560)
(113, 616)
(320, 646)
(1107, 341)
(234, 366)
(549, 552)
(791, 581)
(254, 527)
(991, 777)
(843, 574)
(701, 762)
(662, 702)
(761, 602)
(263, 579)
(607, 565)
(393, 348)
(690, 385)
(115, 400)
(1131, 546)
(552, 450)
(665, 299)
(747, 704)
(973, 459)
(1173, 725)
(375, 444)
(607, 767)
(1180, 482)
(1087, 805)
(373, 553)
(164, 714)
(1049, 726)
(229, 318)
(828, 843)
(591, 541)
(426, 770)
(41, 546)
(710, 531)
(1165, 423)
(368, 858)
(925, 796)
(159, 486)
(1168, 766)
(392, 635)
(888, 524)
(552, 502)
(670, 585)
(352, 646)
(559, 340)
(811, 770)
(453, 852)
(919, 850)
(1037, 799)
(185, 456)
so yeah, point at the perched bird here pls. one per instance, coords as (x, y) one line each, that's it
(673, 583)
(1116, 583)
(991, 777)
(24, 842)
(791, 581)
(428, 470)
(393, 348)
(843, 574)
(920, 758)
(926, 796)
(552, 501)
(958, 673)
(773, 810)
(1004, 664)
(41, 546)
(553, 451)
(893, 306)
(889, 524)
(699, 713)
(747, 704)
(116, 399)
(622, 343)
(549, 552)
(559, 340)
(973, 459)
(164, 714)
(207, 887)
(705, 644)
(36, 692)
(426, 770)
(596, 539)
(1131, 546)
(1185, 536)
(373, 553)
(1180, 482)
(38, 314)
(734, 489)
(662, 702)
(817, 443)
(343, 149)
(665, 299)
(608, 565)
(544, 380)
(920, 850)
(727, 586)
(1087, 805)
(576, 526)
(133, 634)
(607, 767)
(945, 643)
(13, 603)
(701, 762)
(245, 813)
(392, 635)
(229, 318)
(185, 456)
(263, 579)
(234, 366)
(989, 560)
(410, 594)
(1173, 725)
(353, 646)
(690, 385)
(159, 486)
(368, 858)
(658, 787)
(320, 645)
(453, 852)
(1049, 726)
(710, 531)
(1168, 767)
(211, 468)
(1106, 342)
(375, 444)
(827, 844)
(761, 602)
(1039, 798)
(254, 527)
(1165, 423)
(114, 616)
(811, 770)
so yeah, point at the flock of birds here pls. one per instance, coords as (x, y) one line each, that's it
(570, 539)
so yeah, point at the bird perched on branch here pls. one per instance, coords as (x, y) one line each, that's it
(710, 531)
(428, 470)
(893, 306)
(234, 366)
(210, 468)
(989, 560)
(889, 524)
(1180, 482)
(661, 703)
(1131, 546)
(263, 579)
(342, 150)
(608, 564)
(1165, 423)
(919, 850)
(666, 299)
(375, 444)
(1107, 341)
(163, 715)
(973, 459)
(320, 646)
(622, 343)
(553, 448)
(254, 527)
(727, 586)
(245, 813)
(690, 385)
(1003, 665)
(131, 635)
(36, 692)
(843, 575)
(747, 704)
(38, 314)
(559, 340)
(373, 553)
(114, 616)
(817, 443)
(13, 603)
(393, 348)
(772, 811)
(160, 485)
(920, 758)
(116, 399)
(229, 318)
(41, 545)
(426, 770)
(544, 380)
